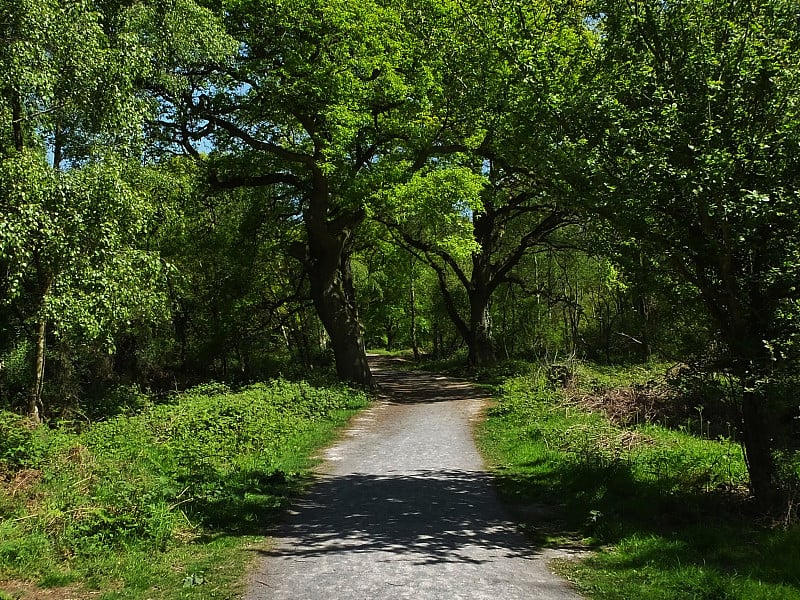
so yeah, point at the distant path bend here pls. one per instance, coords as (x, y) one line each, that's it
(405, 509)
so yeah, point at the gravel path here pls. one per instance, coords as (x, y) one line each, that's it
(405, 509)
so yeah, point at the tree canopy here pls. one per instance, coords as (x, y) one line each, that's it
(697, 158)
(239, 188)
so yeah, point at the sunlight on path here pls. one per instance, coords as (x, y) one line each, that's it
(405, 509)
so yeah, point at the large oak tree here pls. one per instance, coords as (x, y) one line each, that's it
(319, 94)
(486, 188)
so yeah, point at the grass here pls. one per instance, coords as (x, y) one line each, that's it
(170, 503)
(664, 510)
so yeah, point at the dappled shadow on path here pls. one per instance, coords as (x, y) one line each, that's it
(426, 516)
(419, 387)
(425, 389)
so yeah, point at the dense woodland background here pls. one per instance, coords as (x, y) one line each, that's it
(236, 189)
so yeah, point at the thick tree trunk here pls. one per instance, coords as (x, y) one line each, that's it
(481, 346)
(476, 332)
(751, 363)
(340, 318)
(328, 267)
(326, 258)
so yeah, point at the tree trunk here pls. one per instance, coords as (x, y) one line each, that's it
(645, 349)
(35, 394)
(481, 346)
(391, 334)
(751, 363)
(326, 258)
(333, 296)
(341, 322)
(413, 312)
(16, 121)
(475, 332)
(35, 408)
(756, 441)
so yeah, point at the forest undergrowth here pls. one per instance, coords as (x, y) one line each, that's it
(171, 502)
(619, 461)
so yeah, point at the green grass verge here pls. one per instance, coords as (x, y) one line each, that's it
(171, 503)
(663, 510)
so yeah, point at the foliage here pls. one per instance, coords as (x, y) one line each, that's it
(654, 501)
(312, 115)
(511, 179)
(64, 82)
(236, 302)
(78, 230)
(206, 464)
(696, 158)
(471, 206)
(713, 110)
(72, 110)
(437, 206)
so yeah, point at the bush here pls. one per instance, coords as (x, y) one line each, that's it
(20, 442)
(212, 460)
(15, 374)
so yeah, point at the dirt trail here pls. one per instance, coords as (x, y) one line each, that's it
(405, 509)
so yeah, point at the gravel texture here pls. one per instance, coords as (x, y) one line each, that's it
(405, 509)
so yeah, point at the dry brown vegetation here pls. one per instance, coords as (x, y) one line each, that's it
(632, 405)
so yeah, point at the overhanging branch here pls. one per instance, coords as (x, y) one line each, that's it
(255, 181)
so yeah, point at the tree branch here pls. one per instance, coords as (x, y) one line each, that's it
(256, 181)
(554, 221)
(261, 145)
(428, 249)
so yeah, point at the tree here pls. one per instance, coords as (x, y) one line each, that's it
(234, 291)
(49, 51)
(72, 263)
(318, 95)
(71, 116)
(464, 228)
(394, 293)
(695, 133)
(487, 188)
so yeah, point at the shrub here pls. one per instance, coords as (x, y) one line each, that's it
(210, 461)
(20, 442)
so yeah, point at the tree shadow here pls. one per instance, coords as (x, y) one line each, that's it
(244, 502)
(417, 387)
(427, 516)
(425, 390)
(663, 528)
